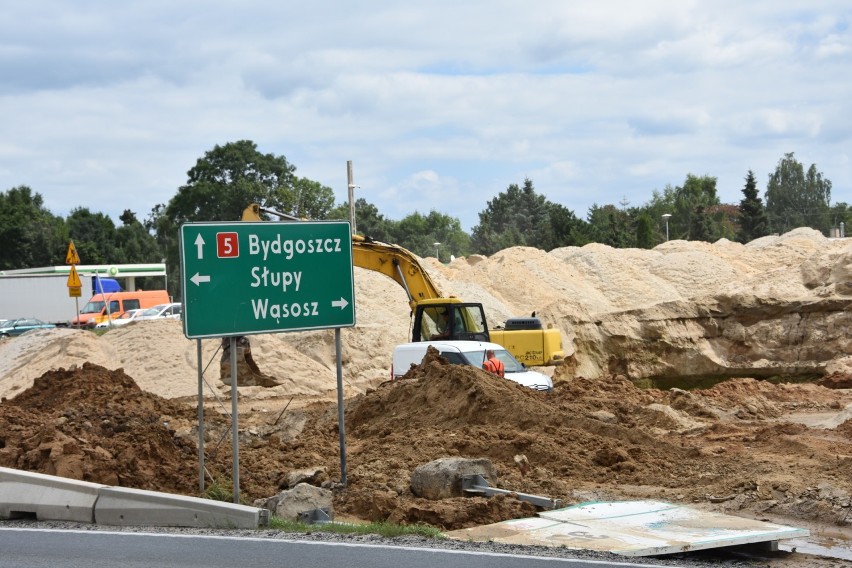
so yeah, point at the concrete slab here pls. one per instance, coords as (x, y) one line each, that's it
(135, 507)
(632, 528)
(24, 494)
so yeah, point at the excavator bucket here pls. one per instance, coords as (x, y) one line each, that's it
(248, 373)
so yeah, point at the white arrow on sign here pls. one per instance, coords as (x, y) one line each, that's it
(197, 279)
(199, 242)
(341, 303)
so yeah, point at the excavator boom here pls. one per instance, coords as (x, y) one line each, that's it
(397, 263)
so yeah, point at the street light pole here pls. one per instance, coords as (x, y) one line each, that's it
(666, 219)
(436, 251)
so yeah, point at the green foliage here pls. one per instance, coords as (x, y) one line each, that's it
(521, 217)
(645, 237)
(691, 204)
(222, 184)
(312, 199)
(368, 221)
(701, 225)
(419, 233)
(753, 221)
(31, 235)
(94, 236)
(220, 490)
(695, 210)
(228, 178)
(797, 199)
(612, 226)
(841, 213)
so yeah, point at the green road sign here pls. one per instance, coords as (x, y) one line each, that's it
(246, 278)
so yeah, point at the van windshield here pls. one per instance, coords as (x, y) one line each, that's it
(477, 358)
(93, 308)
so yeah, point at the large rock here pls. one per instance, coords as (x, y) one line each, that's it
(442, 478)
(301, 499)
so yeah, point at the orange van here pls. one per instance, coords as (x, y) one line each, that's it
(113, 304)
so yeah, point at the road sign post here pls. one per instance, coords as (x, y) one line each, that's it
(248, 278)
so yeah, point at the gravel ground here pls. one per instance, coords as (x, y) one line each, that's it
(732, 558)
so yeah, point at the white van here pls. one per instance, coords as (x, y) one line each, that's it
(467, 353)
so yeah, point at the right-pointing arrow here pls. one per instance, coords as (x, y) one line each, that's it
(197, 279)
(341, 303)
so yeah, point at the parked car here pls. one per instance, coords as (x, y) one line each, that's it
(13, 328)
(123, 319)
(468, 353)
(166, 311)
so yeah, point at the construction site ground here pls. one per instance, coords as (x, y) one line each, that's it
(120, 407)
(780, 452)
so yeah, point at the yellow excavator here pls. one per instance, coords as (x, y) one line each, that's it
(439, 317)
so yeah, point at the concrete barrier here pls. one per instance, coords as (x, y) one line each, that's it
(24, 494)
(135, 507)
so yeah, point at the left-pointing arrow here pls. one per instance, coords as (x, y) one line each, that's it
(341, 303)
(198, 279)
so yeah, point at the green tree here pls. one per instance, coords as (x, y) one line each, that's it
(797, 199)
(312, 199)
(566, 228)
(368, 221)
(31, 235)
(419, 233)
(645, 237)
(612, 226)
(841, 213)
(219, 187)
(135, 243)
(753, 222)
(691, 203)
(94, 236)
(228, 178)
(522, 217)
(701, 226)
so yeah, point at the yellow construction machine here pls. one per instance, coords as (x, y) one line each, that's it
(438, 317)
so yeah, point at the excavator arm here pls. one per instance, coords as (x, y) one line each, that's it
(397, 263)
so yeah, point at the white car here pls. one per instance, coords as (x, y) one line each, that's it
(162, 311)
(468, 353)
(123, 319)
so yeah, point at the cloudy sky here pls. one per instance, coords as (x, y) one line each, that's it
(439, 105)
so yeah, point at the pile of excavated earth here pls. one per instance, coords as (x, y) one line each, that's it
(751, 342)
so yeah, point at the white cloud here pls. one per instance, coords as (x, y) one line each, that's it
(443, 105)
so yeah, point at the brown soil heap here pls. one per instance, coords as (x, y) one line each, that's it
(737, 446)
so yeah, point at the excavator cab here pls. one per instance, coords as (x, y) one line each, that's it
(447, 320)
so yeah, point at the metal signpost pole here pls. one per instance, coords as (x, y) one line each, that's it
(200, 418)
(235, 434)
(340, 413)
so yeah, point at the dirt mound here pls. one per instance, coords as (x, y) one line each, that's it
(587, 439)
(92, 424)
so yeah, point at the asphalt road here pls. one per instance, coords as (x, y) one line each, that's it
(30, 548)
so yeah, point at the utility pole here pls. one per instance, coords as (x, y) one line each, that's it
(350, 184)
